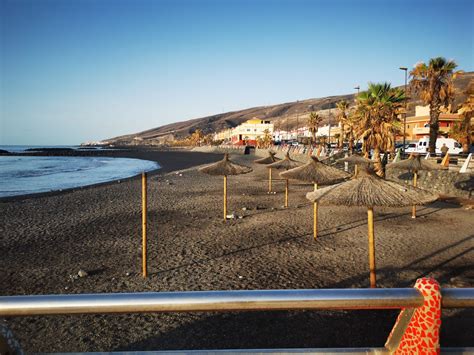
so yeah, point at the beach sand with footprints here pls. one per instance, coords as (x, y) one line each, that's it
(46, 240)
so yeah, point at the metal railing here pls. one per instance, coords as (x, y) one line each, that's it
(211, 301)
(200, 301)
(256, 300)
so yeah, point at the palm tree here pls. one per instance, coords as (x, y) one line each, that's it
(196, 137)
(433, 83)
(349, 124)
(342, 106)
(267, 138)
(377, 111)
(313, 123)
(463, 130)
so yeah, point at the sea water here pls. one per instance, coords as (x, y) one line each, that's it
(21, 175)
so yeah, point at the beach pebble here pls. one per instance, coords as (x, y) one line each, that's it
(127, 274)
(241, 277)
(244, 208)
(230, 216)
(82, 273)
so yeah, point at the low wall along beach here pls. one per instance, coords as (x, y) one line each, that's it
(447, 182)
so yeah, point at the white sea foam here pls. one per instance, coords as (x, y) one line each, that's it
(21, 175)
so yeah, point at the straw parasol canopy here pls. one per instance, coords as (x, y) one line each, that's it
(268, 160)
(368, 190)
(318, 173)
(356, 160)
(286, 164)
(225, 167)
(415, 164)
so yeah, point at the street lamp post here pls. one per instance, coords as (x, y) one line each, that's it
(358, 90)
(329, 127)
(297, 120)
(405, 69)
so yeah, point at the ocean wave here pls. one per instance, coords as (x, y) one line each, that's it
(27, 175)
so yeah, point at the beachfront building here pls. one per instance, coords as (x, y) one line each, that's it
(331, 132)
(248, 132)
(280, 136)
(302, 133)
(418, 126)
(223, 136)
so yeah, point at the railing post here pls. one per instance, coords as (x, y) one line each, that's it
(445, 161)
(465, 166)
(416, 331)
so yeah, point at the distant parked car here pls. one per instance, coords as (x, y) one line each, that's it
(423, 144)
(411, 148)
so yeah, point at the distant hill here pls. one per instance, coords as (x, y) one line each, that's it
(286, 115)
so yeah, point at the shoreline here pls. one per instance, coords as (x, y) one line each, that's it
(169, 161)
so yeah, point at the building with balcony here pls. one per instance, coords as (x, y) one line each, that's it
(418, 126)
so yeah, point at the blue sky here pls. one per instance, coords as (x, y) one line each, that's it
(77, 70)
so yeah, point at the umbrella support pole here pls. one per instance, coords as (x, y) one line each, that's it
(370, 218)
(355, 169)
(225, 197)
(413, 209)
(315, 216)
(144, 213)
(286, 194)
(269, 180)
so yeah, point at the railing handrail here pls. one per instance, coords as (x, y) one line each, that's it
(195, 301)
(255, 300)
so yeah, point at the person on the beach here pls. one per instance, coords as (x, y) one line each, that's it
(444, 150)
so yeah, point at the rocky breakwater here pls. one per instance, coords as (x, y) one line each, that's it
(446, 182)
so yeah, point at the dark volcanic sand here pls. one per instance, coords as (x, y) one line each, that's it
(44, 240)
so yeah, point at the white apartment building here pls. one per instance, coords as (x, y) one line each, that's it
(250, 131)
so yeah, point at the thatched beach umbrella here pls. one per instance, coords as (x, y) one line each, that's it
(369, 190)
(319, 174)
(414, 164)
(224, 168)
(268, 160)
(285, 164)
(357, 160)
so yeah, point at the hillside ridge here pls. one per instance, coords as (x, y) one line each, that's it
(284, 115)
